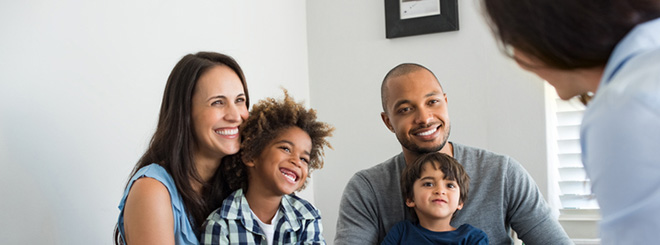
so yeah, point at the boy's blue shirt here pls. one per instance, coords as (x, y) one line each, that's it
(407, 232)
(233, 223)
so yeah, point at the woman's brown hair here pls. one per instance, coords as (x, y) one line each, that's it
(566, 34)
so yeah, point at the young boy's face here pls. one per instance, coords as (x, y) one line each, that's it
(282, 166)
(435, 197)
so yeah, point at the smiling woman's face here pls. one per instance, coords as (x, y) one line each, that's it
(218, 108)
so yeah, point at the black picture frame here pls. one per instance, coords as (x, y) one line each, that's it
(446, 21)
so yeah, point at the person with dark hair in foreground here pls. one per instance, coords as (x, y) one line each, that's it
(608, 53)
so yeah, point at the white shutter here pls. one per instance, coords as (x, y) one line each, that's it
(570, 189)
(574, 186)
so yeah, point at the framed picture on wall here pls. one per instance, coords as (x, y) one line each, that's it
(416, 17)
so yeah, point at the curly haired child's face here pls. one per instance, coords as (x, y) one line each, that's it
(435, 198)
(282, 166)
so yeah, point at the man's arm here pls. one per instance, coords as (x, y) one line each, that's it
(529, 214)
(358, 216)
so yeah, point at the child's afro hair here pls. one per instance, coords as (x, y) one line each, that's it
(267, 120)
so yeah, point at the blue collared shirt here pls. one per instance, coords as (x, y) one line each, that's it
(234, 223)
(620, 139)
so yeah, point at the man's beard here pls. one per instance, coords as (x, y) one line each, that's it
(423, 150)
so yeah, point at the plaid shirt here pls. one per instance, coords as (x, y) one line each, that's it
(233, 223)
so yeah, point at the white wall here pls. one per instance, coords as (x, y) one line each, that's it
(492, 103)
(80, 89)
(81, 84)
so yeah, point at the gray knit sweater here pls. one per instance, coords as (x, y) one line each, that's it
(502, 196)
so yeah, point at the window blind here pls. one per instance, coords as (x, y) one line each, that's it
(574, 186)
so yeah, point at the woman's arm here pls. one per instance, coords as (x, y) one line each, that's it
(148, 217)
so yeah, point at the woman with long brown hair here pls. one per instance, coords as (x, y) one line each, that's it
(177, 183)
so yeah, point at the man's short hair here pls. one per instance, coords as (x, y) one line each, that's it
(400, 70)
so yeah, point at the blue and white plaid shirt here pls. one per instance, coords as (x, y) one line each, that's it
(233, 223)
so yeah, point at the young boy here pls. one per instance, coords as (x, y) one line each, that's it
(434, 187)
(282, 143)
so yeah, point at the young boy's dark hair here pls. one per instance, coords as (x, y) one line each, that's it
(267, 120)
(439, 161)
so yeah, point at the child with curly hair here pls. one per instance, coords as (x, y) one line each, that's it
(282, 143)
